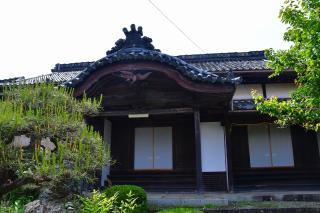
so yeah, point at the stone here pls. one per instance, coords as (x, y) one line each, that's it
(32, 207)
(47, 144)
(21, 141)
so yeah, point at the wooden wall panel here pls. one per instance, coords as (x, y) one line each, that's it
(305, 148)
(240, 147)
(183, 140)
(122, 147)
(183, 144)
(214, 181)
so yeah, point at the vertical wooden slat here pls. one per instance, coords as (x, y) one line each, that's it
(199, 183)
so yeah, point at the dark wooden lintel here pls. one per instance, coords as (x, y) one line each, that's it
(150, 112)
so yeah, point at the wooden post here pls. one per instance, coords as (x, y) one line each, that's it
(229, 154)
(199, 182)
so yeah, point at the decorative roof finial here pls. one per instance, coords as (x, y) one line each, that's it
(134, 39)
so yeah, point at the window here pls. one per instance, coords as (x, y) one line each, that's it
(153, 148)
(270, 146)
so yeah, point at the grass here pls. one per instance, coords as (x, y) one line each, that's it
(238, 205)
(180, 210)
(264, 204)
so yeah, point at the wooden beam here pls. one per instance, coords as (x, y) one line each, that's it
(228, 154)
(150, 112)
(199, 182)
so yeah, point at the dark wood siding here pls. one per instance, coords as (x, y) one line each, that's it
(240, 147)
(122, 146)
(214, 181)
(304, 173)
(305, 148)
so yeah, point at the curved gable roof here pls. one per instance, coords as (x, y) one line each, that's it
(137, 47)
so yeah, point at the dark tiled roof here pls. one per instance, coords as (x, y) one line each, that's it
(11, 80)
(188, 70)
(56, 77)
(70, 67)
(237, 61)
(136, 47)
(216, 62)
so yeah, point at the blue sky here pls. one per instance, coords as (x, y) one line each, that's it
(37, 34)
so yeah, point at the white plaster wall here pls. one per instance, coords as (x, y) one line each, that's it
(163, 147)
(213, 156)
(281, 145)
(243, 91)
(279, 90)
(143, 148)
(259, 146)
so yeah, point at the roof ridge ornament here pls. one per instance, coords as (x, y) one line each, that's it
(134, 39)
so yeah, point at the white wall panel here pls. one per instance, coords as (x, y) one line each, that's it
(281, 146)
(259, 146)
(279, 90)
(213, 157)
(163, 147)
(143, 148)
(243, 91)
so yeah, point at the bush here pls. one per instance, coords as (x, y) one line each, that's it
(61, 149)
(99, 202)
(124, 190)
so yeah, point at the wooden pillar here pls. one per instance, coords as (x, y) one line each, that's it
(199, 183)
(229, 154)
(107, 129)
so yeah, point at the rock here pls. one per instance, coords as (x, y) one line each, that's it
(53, 206)
(48, 204)
(21, 141)
(47, 144)
(32, 207)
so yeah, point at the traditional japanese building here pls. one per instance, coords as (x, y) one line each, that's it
(188, 122)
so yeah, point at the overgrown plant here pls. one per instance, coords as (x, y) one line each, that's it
(44, 111)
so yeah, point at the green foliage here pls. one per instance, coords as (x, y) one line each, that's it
(100, 203)
(6, 207)
(14, 201)
(303, 19)
(180, 210)
(46, 111)
(22, 195)
(123, 192)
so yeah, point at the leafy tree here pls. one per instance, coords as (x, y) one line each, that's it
(62, 148)
(303, 18)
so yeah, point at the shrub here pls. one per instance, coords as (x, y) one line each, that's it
(99, 202)
(62, 148)
(123, 192)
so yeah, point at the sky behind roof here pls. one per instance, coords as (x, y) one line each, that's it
(37, 34)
